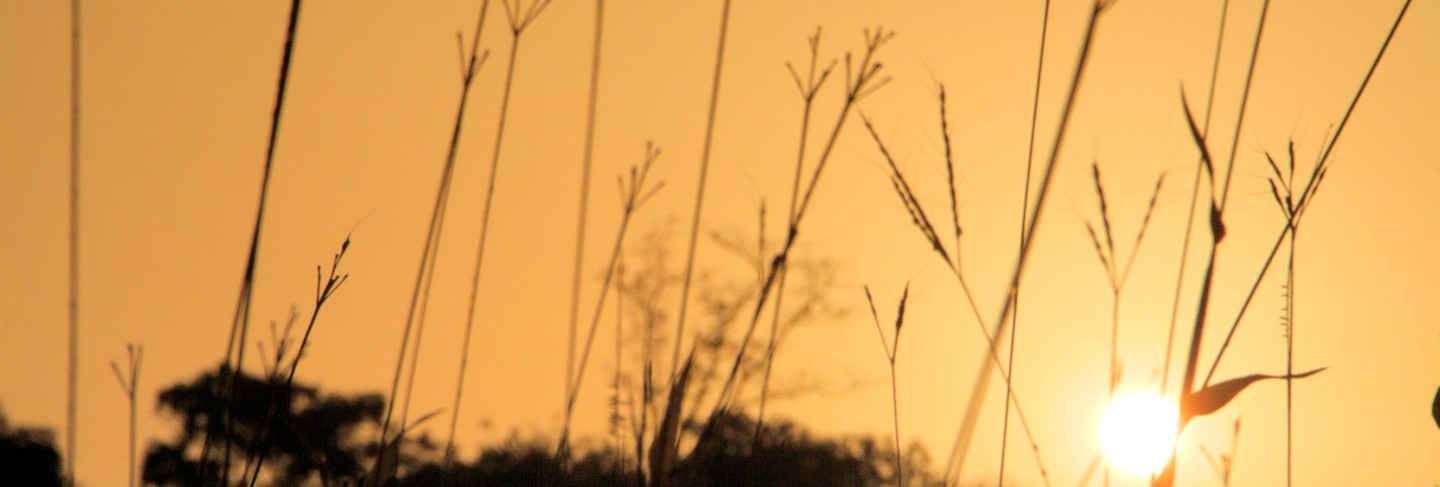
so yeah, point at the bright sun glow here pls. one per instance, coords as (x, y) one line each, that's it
(1138, 431)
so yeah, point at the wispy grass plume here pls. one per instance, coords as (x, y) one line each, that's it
(927, 229)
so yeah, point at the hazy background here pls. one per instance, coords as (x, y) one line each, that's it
(176, 99)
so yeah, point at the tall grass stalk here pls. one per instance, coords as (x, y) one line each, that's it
(860, 81)
(982, 380)
(1194, 200)
(927, 229)
(700, 188)
(1024, 210)
(892, 350)
(616, 417)
(1290, 357)
(1116, 273)
(129, 384)
(807, 88)
(420, 295)
(1324, 161)
(240, 326)
(634, 193)
(1188, 395)
(72, 391)
(518, 21)
(1224, 465)
(585, 162)
(323, 292)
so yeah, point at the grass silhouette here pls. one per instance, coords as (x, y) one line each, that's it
(693, 425)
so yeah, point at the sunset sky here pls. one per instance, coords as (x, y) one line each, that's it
(176, 98)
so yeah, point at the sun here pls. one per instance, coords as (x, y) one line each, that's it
(1137, 432)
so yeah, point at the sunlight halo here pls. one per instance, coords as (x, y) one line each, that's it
(1138, 431)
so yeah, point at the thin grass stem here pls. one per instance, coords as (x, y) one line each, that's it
(808, 89)
(323, 293)
(700, 188)
(972, 409)
(129, 384)
(860, 82)
(420, 295)
(585, 163)
(72, 391)
(1244, 104)
(635, 195)
(1194, 201)
(241, 324)
(1024, 211)
(1313, 186)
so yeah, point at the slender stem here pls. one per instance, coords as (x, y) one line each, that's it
(808, 94)
(700, 189)
(129, 383)
(1244, 104)
(242, 308)
(432, 237)
(1324, 158)
(1245, 305)
(858, 86)
(895, 414)
(1024, 211)
(634, 197)
(516, 30)
(1289, 353)
(471, 66)
(1194, 201)
(574, 391)
(585, 163)
(72, 395)
(322, 295)
(134, 382)
(972, 409)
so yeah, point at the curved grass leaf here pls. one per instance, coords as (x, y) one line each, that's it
(1435, 407)
(1216, 396)
(663, 447)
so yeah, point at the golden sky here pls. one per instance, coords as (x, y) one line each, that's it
(176, 99)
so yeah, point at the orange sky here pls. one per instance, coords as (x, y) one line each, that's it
(176, 99)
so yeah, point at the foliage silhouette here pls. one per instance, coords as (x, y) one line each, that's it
(786, 455)
(313, 436)
(28, 456)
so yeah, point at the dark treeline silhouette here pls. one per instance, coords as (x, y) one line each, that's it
(307, 437)
(323, 439)
(28, 456)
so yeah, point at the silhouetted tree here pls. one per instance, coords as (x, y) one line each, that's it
(522, 463)
(788, 455)
(307, 436)
(28, 456)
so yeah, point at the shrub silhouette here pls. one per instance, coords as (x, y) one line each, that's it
(788, 455)
(28, 456)
(310, 435)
